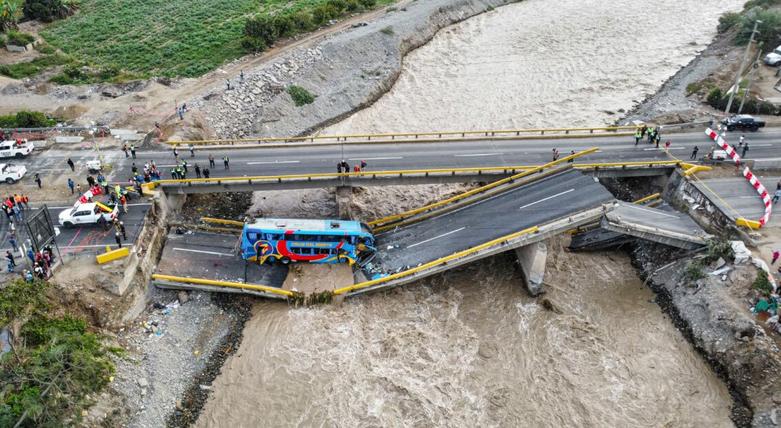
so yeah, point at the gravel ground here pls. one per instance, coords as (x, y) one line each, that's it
(160, 365)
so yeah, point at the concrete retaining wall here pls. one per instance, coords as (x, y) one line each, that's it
(686, 197)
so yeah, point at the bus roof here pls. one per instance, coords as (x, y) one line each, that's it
(306, 225)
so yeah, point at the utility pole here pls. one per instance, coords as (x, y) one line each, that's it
(742, 66)
(754, 67)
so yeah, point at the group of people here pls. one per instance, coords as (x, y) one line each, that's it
(15, 206)
(41, 262)
(654, 135)
(343, 166)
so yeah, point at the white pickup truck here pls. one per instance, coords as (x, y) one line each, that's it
(88, 213)
(11, 173)
(15, 148)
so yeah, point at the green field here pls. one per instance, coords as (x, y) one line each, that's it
(157, 37)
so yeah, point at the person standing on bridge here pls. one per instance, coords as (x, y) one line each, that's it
(555, 154)
(667, 145)
(37, 179)
(571, 159)
(211, 160)
(71, 185)
(694, 153)
(638, 136)
(118, 239)
(226, 162)
(192, 150)
(741, 140)
(123, 201)
(133, 150)
(776, 254)
(176, 154)
(776, 196)
(206, 173)
(124, 149)
(197, 171)
(70, 164)
(745, 150)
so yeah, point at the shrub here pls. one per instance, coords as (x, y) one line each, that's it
(10, 13)
(367, 3)
(769, 29)
(714, 97)
(300, 95)
(728, 21)
(762, 283)
(262, 28)
(253, 44)
(45, 49)
(693, 271)
(8, 121)
(284, 25)
(19, 38)
(719, 248)
(48, 10)
(32, 119)
(303, 21)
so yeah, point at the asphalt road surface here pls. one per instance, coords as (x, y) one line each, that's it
(765, 145)
(551, 198)
(86, 238)
(665, 220)
(737, 198)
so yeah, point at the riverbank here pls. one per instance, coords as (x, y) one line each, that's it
(711, 313)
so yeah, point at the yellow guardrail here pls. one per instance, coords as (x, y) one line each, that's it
(222, 221)
(607, 130)
(279, 178)
(228, 284)
(111, 255)
(751, 224)
(648, 198)
(437, 262)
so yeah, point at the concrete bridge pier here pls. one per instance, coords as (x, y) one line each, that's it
(532, 259)
(344, 202)
(172, 202)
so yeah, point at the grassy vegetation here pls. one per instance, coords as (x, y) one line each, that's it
(743, 22)
(300, 95)
(31, 68)
(53, 367)
(183, 37)
(18, 38)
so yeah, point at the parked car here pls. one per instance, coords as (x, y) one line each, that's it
(773, 59)
(15, 148)
(742, 121)
(11, 173)
(89, 213)
(94, 166)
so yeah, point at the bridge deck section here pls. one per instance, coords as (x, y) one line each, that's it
(552, 198)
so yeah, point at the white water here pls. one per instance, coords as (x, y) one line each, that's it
(542, 63)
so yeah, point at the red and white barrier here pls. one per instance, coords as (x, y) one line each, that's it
(766, 199)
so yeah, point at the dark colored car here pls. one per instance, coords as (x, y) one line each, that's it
(742, 121)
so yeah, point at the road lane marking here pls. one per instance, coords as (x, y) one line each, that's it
(545, 199)
(383, 158)
(761, 145)
(477, 154)
(74, 237)
(203, 252)
(436, 237)
(272, 162)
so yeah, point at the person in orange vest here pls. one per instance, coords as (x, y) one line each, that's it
(123, 201)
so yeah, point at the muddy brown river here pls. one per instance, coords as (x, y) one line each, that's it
(469, 347)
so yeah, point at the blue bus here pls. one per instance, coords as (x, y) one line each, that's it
(302, 240)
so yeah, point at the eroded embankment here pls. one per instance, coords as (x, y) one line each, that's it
(709, 315)
(346, 72)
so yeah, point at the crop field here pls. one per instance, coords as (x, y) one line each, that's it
(160, 37)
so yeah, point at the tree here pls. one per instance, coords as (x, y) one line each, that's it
(10, 13)
(49, 10)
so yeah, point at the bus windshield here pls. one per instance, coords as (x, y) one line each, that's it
(271, 240)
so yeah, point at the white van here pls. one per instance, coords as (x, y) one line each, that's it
(15, 148)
